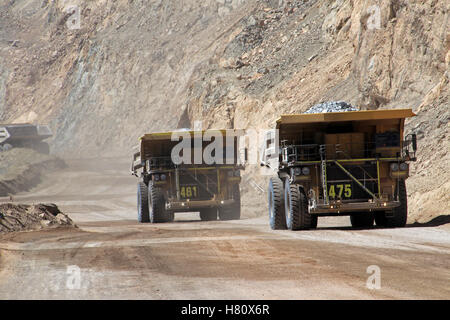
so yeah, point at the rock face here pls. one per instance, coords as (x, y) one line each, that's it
(123, 72)
(138, 66)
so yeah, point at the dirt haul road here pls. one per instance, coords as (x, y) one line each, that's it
(112, 256)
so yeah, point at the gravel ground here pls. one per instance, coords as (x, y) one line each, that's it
(115, 257)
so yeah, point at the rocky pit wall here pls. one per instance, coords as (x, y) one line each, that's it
(135, 67)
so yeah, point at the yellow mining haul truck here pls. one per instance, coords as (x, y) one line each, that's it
(340, 163)
(189, 180)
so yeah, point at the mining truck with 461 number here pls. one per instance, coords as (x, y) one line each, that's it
(169, 186)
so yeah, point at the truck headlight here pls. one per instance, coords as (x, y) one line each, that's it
(156, 177)
(163, 177)
(394, 166)
(237, 173)
(306, 171)
(404, 166)
(297, 171)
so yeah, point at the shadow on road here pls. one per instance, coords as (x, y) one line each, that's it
(435, 222)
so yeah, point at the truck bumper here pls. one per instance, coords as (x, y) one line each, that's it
(339, 207)
(197, 204)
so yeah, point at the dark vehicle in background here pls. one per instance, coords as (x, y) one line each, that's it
(25, 136)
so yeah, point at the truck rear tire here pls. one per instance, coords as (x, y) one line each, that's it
(296, 208)
(380, 218)
(277, 217)
(156, 205)
(362, 220)
(232, 212)
(398, 217)
(314, 222)
(142, 203)
(208, 214)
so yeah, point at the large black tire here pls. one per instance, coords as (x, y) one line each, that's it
(277, 217)
(156, 205)
(142, 203)
(362, 220)
(208, 214)
(296, 208)
(314, 222)
(232, 212)
(380, 218)
(398, 217)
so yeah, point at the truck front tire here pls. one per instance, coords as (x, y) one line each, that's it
(296, 208)
(142, 203)
(277, 217)
(156, 205)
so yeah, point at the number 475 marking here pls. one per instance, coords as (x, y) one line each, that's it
(342, 189)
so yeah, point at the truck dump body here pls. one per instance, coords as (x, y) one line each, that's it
(358, 134)
(346, 162)
(159, 146)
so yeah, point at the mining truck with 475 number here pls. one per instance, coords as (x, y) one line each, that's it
(340, 163)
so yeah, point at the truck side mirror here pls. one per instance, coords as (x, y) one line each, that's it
(414, 142)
